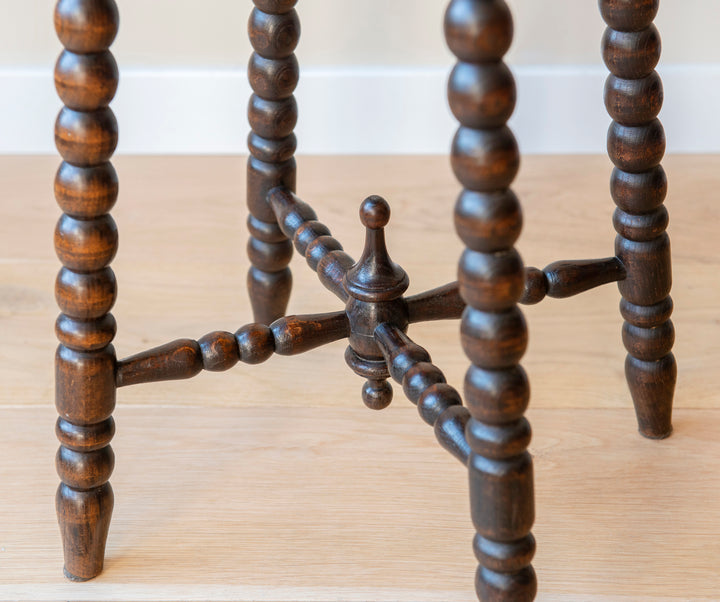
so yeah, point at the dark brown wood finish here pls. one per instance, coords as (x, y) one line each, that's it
(559, 280)
(563, 279)
(274, 30)
(441, 303)
(375, 286)
(372, 289)
(86, 239)
(424, 384)
(219, 351)
(312, 239)
(485, 159)
(491, 434)
(636, 145)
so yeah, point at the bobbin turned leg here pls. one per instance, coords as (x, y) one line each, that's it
(273, 72)
(636, 144)
(86, 187)
(485, 160)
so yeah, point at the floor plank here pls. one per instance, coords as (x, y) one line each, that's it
(290, 504)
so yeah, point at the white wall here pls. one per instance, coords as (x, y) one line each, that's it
(372, 81)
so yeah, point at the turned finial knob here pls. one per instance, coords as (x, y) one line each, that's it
(377, 394)
(375, 277)
(375, 212)
(375, 286)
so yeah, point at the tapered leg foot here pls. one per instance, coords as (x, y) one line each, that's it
(652, 385)
(648, 335)
(269, 294)
(84, 518)
(72, 577)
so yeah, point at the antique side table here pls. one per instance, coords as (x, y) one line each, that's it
(488, 434)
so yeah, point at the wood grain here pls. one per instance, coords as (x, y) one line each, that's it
(86, 240)
(636, 145)
(274, 30)
(302, 519)
(485, 159)
(271, 504)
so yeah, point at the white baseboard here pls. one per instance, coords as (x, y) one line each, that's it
(357, 111)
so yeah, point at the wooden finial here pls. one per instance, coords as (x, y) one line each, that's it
(375, 285)
(375, 277)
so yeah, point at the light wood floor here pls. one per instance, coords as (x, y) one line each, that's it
(273, 483)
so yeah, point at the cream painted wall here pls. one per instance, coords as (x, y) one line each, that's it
(176, 33)
(182, 61)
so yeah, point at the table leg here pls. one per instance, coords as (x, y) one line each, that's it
(636, 144)
(86, 186)
(485, 159)
(273, 72)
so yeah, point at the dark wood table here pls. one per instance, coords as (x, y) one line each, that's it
(489, 434)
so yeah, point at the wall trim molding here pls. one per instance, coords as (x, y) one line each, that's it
(384, 110)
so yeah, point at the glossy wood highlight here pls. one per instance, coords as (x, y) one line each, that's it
(86, 240)
(312, 239)
(562, 279)
(424, 384)
(441, 303)
(219, 351)
(274, 30)
(375, 287)
(485, 160)
(636, 145)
